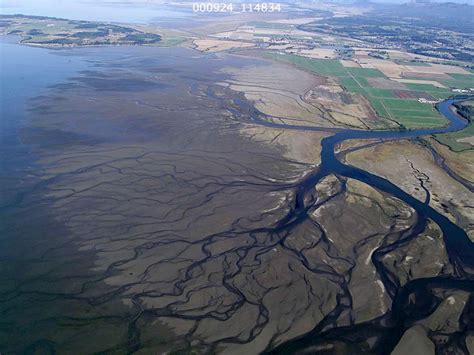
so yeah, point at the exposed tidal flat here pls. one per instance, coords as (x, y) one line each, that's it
(158, 210)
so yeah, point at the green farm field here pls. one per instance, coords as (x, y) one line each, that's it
(461, 81)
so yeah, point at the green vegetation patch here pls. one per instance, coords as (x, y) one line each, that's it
(460, 81)
(85, 25)
(143, 38)
(324, 67)
(380, 93)
(415, 113)
(363, 82)
(90, 34)
(365, 73)
(412, 63)
(451, 139)
(424, 87)
(379, 107)
(436, 92)
(348, 82)
(404, 104)
(171, 41)
(358, 90)
(441, 95)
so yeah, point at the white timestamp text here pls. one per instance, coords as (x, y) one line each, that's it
(240, 7)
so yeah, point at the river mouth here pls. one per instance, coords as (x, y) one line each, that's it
(155, 225)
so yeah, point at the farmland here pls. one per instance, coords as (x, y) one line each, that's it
(400, 106)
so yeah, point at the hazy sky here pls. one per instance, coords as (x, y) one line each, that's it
(88, 10)
(7, 3)
(103, 10)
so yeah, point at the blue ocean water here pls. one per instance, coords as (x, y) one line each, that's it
(24, 73)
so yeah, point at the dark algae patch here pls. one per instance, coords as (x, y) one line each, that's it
(113, 83)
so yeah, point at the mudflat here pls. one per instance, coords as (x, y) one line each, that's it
(175, 200)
